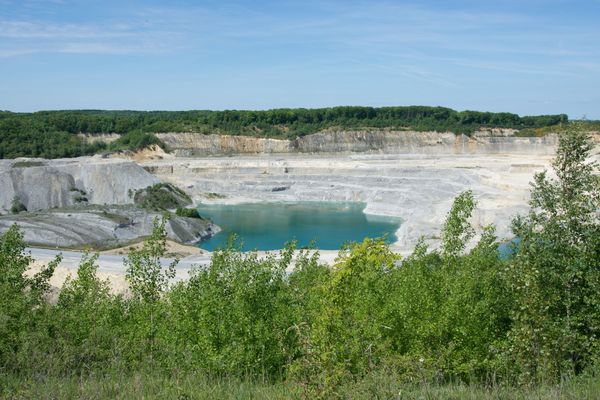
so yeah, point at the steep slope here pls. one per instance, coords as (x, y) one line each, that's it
(42, 184)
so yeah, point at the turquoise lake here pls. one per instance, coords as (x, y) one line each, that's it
(268, 226)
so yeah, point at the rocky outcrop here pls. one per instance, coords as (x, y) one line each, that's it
(43, 184)
(368, 140)
(102, 227)
(86, 201)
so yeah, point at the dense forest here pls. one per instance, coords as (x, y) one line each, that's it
(374, 325)
(53, 134)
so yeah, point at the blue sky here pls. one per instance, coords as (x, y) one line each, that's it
(527, 56)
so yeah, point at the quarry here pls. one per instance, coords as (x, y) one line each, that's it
(414, 176)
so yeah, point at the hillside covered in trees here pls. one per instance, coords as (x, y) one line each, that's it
(53, 134)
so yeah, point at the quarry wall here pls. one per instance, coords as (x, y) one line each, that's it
(359, 141)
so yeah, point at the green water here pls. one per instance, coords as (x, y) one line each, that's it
(268, 226)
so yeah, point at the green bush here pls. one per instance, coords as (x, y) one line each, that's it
(161, 196)
(187, 212)
(17, 206)
(233, 315)
(136, 140)
(22, 302)
(27, 164)
(86, 319)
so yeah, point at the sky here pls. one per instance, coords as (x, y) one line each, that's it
(529, 57)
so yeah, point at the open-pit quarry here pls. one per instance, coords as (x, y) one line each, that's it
(414, 176)
(411, 176)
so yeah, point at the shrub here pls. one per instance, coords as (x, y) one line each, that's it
(144, 271)
(187, 212)
(136, 140)
(27, 164)
(17, 206)
(85, 321)
(162, 196)
(22, 300)
(234, 314)
(80, 199)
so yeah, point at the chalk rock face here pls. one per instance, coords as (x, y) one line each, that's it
(35, 187)
(377, 140)
(188, 144)
(102, 227)
(42, 184)
(359, 141)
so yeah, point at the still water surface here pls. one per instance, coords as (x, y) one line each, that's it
(268, 226)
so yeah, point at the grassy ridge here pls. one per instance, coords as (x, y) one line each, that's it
(53, 134)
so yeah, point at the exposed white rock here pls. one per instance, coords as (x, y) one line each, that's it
(101, 227)
(42, 184)
(417, 188)
(361, 141)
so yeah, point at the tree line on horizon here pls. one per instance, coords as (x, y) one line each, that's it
(53, 134)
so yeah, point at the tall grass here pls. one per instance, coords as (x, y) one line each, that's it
(148, 385)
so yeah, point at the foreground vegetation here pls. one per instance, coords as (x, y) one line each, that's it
(199, 386)
(53, 134)
(445, 323)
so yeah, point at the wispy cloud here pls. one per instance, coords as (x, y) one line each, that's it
(47, 30)
(38, 30)
(10, 52)
(360, 26)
